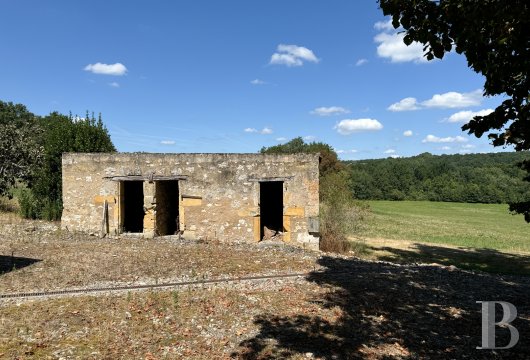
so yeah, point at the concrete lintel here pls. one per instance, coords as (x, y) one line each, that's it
(147, 177)
(267, 179)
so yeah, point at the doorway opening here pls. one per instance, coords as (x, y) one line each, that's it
(167, 207)
(271, 206)
(133, 206)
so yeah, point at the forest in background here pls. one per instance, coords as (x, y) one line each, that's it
(472, 178)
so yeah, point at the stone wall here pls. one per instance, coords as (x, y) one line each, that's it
(218, 197)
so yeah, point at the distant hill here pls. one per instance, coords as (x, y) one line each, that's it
(474, 178)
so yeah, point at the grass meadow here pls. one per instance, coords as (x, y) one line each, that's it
(474, 236)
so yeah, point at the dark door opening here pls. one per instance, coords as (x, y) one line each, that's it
(133, 206)
(271, 205)
(167, 207)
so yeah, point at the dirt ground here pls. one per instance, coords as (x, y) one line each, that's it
(37, 256)
(345, 308)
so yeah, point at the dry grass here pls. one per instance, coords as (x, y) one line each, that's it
(351, 309)
(148, 325)
(406, 251)
(66, 260)
(8, 205)
(373, 311)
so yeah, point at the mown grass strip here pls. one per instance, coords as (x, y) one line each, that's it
(479, 226)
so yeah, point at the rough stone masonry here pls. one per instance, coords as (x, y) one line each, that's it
(220, 197)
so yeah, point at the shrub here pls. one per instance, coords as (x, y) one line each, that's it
(340, 215)
(51, 210)
(31, 207)
(28, 203)
(7, 204)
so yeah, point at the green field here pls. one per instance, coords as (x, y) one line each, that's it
(471, 236)
(479, 226)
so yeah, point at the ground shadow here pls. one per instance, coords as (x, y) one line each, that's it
(10, 263)
(388, 311)
(488, 260)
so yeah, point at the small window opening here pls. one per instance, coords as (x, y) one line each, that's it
(271, 206)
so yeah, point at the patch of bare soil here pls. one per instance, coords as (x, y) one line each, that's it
(347, 309)
(379, 310)
(353, 309)
(36, 255)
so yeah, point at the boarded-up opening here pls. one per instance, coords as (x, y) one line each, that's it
(167, 207)
(132, 208)
(271, 205)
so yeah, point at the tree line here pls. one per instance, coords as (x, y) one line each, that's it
(472, 178)
(492, 36)
(31, 149)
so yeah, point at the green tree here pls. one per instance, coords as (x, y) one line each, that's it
(19, 149)
(61, 134)
(493, 36)
(441, 178)
(329, 161)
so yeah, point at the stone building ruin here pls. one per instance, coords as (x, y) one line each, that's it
(222, 197)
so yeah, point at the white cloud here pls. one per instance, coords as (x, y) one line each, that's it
(292, 55)
(466, 115)
(390, 151)
(331, 110)
(285, 59)
(449, 139)
(167, 142)
(448, 100)
(117, 69)
(309, 138)
(468, 146)
(391, 45)
(453, 99)
(351, 151)
(361, 62)
(350, 126)
(408, 133)
(464, 151)
(114, 84)
(264, 131)
(384, 25)
(406, 104)
(394, 156)
(445, 148)
(281, 139)
(258, 82)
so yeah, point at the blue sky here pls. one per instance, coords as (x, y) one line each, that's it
(233, 76)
